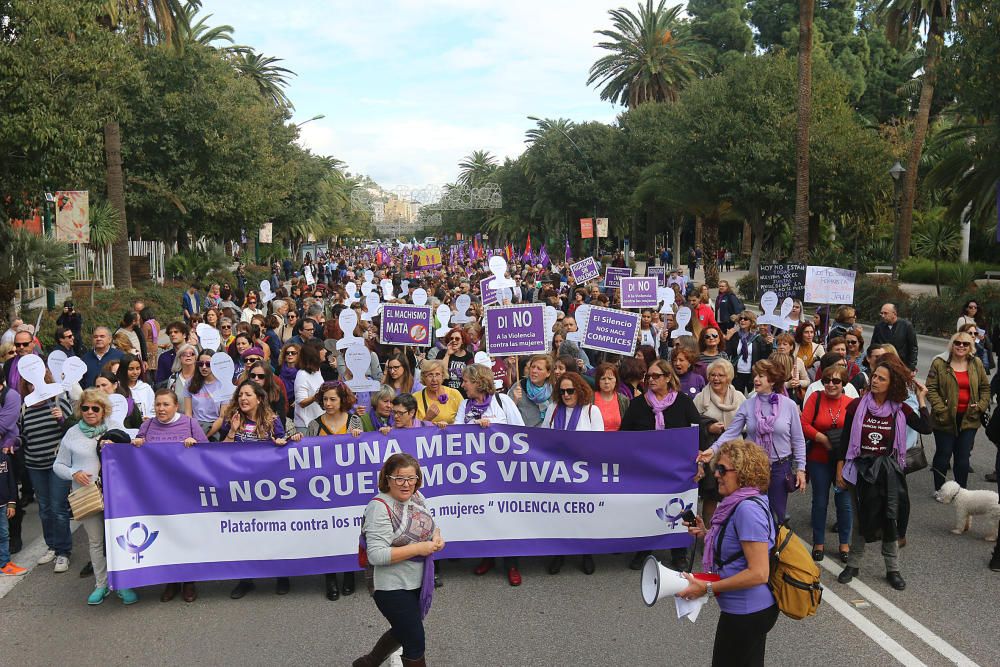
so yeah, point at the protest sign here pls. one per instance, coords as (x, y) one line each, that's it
(611, 330)
(403, 324)
(602, 228)
(429, 258)
(488, 294)
(514, 330)
(639, 292)
(584, 270)
(660, 272)
(782, 279)
(614, 274)
(225, 511)
(586, 228)
(829, 285)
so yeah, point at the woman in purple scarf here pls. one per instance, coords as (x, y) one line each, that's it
(872, 460)
(737, 544)
(772, 421)
(400, 539)
(662, 406)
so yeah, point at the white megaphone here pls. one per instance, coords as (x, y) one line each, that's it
(659, 581)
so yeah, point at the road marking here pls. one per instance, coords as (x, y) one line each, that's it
(904, 619)
(29, 560)
(875, 633)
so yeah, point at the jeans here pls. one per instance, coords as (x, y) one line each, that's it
(740, 639)
(402, 609)
(821, 478)
(4, 537)
(890, 548)
(946, 446)
(53, 509)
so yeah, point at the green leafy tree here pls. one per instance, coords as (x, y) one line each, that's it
(938, 241)
(269, 77)
(721, 31)
(476, 168)
(27, 254)
(652, 56)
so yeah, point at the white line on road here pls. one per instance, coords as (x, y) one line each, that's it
(904, 619)
(874, 632)
(29, 560)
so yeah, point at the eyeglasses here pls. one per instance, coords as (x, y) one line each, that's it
(28, 344)
(711, 335)
(291, 353)
(569, 391)
(400, 413)
(225, 326)
(251, 303)
(258, 376)
(403, 481)
(292, 316)
(252, 360)
(187, 355)
(852, 342)
(90, 408)
(957, 343)
(972, 306)
(722, 470)
(455, 339)
(655, 376)
(204, 364)
(395, 367)
(744, 319)
(68, 334)
(832, 381)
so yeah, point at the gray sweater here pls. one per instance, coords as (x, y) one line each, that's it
(78, 452)
(404, 575)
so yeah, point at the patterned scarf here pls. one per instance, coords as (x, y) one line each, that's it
(659, 405)
(537, 395)
(744, 344)
(475, 410)
(765, 423)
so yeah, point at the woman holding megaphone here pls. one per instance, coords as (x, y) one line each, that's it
(737, 544)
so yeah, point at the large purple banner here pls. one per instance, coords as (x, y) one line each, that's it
(515, 330)
(403, 324)
(230, 511)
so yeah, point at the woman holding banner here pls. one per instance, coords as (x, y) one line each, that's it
(399, 540)
(611, 402)
(533, 394)
(485, 407)
(379, 416)
(573, 410)
(200, 399)
(662, 406)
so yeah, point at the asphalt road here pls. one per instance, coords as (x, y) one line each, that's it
(947, 615)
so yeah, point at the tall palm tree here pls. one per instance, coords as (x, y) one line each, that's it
(904, 19)
(266, 74)
(200, 32)
(801, 235)
(476, 167)
(652, 56)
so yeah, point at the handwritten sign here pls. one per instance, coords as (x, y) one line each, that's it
(584, 270)
(782, 279)
(824, 284)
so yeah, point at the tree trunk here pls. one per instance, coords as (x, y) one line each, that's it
(710, 247)
(116, 197)
(699, 232)
(677, 231)
(745, 246)
(756, 223)
(801, 227)
(920, 123)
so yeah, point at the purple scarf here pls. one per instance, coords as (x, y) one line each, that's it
(475, 410)
(559, 419)
(287, 375)
(765, 424)
(659, 405)
(722, 512)
(868, 406)
(744, 348)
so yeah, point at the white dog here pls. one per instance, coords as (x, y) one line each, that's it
(969, 503)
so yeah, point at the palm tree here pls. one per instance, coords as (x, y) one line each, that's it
(201, 33)
(476, 167)
(27, 254)
(652, 56)
(939, 240)
(266, 74)
(801, 235)
(904, 19)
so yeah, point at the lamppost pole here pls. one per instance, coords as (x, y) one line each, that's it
(897, 172)
(593, 183)
(50, 292)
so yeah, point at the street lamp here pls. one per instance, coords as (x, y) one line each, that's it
(593, 183)
(316, 117)
(897, 171)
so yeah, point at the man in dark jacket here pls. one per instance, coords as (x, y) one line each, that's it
(897, 332)
(727, 304)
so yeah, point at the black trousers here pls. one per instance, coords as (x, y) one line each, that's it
(402, 609)
(740, 639)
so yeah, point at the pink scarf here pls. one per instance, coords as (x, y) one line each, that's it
(659, 405)
(722, 512)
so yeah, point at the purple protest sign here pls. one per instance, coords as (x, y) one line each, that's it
(584, 270)
(639, 292)
(611, 330)
(231, 511)
(403, 324)
(614, 274)
(515, 330)
(489, 296)
(660, 272)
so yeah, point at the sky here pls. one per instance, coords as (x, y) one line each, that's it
(410, 87)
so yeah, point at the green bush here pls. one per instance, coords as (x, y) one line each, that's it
(871, 293)
(919, 270)
(196, 264)
(746, 287)
(930, 315)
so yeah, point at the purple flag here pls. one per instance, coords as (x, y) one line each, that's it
(543, 256)
(569, 255)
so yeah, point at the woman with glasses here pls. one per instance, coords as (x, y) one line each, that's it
(250, 307)
(573, 409)
(662, 406)
(379, 417)
(248, 357)
(226, 333)
(806, 348)
(259, 372)
(871, 460)
(436, 402)
(717, 403)
(307, 382)
(971, 314)
(79, 460)
(710, 344)
(404, 413)
(772, 421)
(201, 399)
(249, 418)
(242, 342)
(400, 539)
(485, 407)
(400, 377)
(288, 360)
(533, 394)
(823, 427)
(745, 347)
(130, 377)
(456, 356)
(855, 341)
(958, 390)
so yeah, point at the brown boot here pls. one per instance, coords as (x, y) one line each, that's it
(418, 662)
(384, 647)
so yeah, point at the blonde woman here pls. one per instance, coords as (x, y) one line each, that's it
(718, 401)
(436, 402)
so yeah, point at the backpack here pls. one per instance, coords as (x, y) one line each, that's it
(794, 579)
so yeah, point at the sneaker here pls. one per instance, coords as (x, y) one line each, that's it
(62, 564)
(12, 570)
(47, 557)
(128, 596)
(97, 597)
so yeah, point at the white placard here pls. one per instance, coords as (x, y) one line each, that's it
(825, 284)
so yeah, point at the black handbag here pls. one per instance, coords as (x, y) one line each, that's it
(916, 458)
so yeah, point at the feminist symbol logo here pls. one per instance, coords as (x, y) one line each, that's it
(125, 541)
(673, 512)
